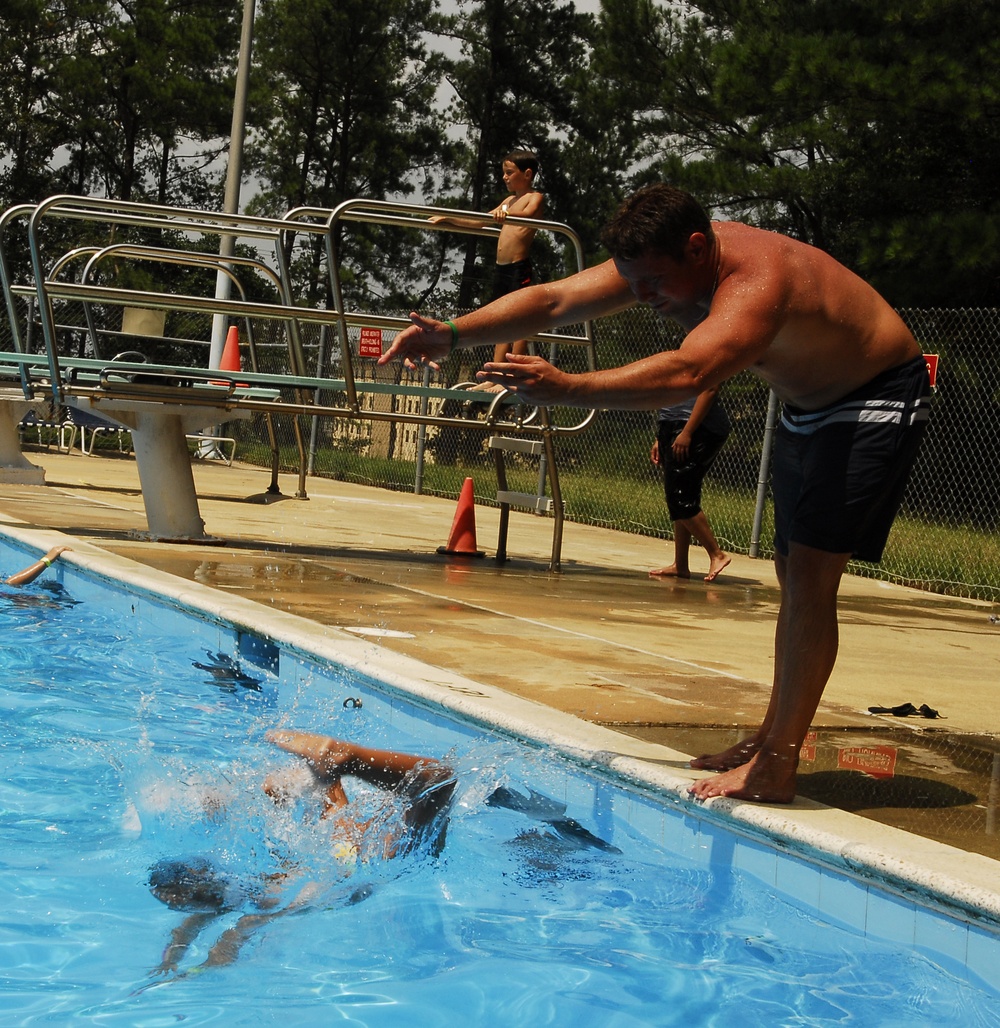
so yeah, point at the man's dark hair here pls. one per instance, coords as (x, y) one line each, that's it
(524, 160)
(655, 219)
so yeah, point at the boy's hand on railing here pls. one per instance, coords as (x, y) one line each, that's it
(426, 341)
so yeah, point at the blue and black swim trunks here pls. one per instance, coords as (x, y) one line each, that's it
(839, 473)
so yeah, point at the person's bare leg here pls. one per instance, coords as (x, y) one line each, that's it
(809, 639)
(718, 559)
(330, 758)
(682, 547)
(739, 754)
(685, 529)
(326, 756)
(500, 352)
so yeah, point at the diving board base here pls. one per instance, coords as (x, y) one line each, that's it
(15, 468)
(159, 441)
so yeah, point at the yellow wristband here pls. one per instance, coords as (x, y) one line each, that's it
(47, 562)
(454, 335)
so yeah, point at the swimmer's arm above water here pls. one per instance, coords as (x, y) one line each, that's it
(30, 573)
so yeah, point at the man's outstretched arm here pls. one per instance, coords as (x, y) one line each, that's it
(593, 293)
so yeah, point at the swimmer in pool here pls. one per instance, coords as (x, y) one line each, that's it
(425, 783)
(205, 892)
(32, 571)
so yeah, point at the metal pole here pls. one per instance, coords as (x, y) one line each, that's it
(234, 175)
(314, 429)
(994, 797)
(418, 479)
(231, 200)
(763, 474)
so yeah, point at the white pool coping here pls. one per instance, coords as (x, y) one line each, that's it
(921, 872)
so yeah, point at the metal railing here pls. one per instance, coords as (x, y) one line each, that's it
(75, 298)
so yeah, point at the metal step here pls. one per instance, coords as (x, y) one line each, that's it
(535, 447)
(539, 504)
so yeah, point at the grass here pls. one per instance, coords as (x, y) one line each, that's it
(957, 560)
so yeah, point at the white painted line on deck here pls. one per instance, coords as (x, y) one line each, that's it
(576, 634)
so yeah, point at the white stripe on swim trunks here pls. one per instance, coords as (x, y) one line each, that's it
(870, 411)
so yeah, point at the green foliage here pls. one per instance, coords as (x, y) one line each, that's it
(513, 88)
(870, 128)
(344, 107)
(115, 89)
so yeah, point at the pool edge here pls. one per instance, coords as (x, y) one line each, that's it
(959, 883)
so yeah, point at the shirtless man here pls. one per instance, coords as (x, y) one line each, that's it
(513, 267)
(851, 377)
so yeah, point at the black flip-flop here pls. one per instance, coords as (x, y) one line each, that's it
(903, 710)
(906, 710)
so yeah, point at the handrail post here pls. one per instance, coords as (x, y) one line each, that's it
(764, 472)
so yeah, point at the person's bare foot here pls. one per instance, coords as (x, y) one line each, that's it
(673, 571)
(735, 756)
(718, 564)
(768, 777)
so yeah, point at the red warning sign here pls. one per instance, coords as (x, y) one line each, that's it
(932, 366)
(877, 761)
(371, 343)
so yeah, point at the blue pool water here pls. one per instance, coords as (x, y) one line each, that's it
(119, 752)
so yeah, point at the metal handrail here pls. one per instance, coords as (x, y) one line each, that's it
(50, 284)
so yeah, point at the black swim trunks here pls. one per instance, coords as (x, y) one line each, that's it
(510, 277)
(682, 479)
(839, 473)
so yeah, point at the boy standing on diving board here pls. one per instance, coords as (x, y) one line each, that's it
(513, 268)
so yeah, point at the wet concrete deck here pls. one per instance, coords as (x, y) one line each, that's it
(684, 663)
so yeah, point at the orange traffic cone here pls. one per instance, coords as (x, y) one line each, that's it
(231, 355)
(462, 541)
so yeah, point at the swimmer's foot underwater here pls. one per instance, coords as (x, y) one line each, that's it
(226, 673)
(568, 834)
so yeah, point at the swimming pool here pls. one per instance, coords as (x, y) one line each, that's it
(113, 737)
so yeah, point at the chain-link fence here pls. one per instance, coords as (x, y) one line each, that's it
(945, 538)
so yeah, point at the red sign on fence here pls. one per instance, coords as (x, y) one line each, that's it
(932, 365)
(371, 343)
(877, 761)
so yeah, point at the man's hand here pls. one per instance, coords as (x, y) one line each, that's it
(426, 341)
(533, 379)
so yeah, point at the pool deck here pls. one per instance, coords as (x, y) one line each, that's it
(600, 641)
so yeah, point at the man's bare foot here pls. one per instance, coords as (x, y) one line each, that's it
(671, 572)
(735, 756)
(718, 564)
(768, 777)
